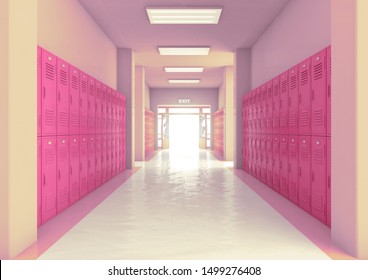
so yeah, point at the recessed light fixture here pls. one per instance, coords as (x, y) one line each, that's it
(184, 69)
(184, 50)
(184, 16)
(184, 81)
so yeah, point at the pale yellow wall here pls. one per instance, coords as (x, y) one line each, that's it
(66, 29)
(147, 100)
(222, 94)
(229, 113)
(140, 87)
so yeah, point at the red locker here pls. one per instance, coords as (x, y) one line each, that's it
(269, 159)
(284, 103)
(276, 163)
(284, 166)
(48, 93)
(91, 181)
(263, 150)
(98, 161)
(83, 108)
(74, 101)
(39, 181)
(74, 169)
(83, 161)
(328, 182)
(293, 168)
(263, 109)
(319, 94)
(103, 109)
(108, 109)
(98, 107)
(304, 98)
(304, 172)
(48, 178)
(276, 106)
(39, 91)
(91, 106)
(103, 159)
(269, 108)
(329, 64)
(113, 155)
(319, 178)
(63, 170)
(62, 104)
(293, 101)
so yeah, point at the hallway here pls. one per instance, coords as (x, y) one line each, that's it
(184, 206)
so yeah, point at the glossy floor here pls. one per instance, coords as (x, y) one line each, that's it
(184, 206)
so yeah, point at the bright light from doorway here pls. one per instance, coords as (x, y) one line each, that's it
(184, 133)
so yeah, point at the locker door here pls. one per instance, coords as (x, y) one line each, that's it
(293, 168)
(91, 181)
(269, 160)
(293, 101)
(263, 159)
(39, 91)
(74, 169)
(258, 156)
(269, 108)
(264, 108)
(245, 114)
(120, 112)
(319, 178)
(48, 178)
(74, 101)
(83, 109)
(62, 173)
(276, 106)
(108, 110)
(247, 153)
(276, 163)
(304, 98)
(98, 161)
(319, 94)
(250, 112)
(98, 107)
(304, 172)
(254, 155)
(113, 159)
(91, 106)
(284, 166)
(258, 109)
(328, 182)
(121, 152)
(62, 107)
(103, 109)
(108, 157)
(103, 159)
(48, 93)
(83, 161)
(39, 181)
(244, 152)
(329, 62)
(117, 152)
(284, 104)
(115, 104)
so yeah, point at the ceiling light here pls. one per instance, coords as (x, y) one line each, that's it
(184, 50)
(186, 81)
(184, 69)
(184, 16)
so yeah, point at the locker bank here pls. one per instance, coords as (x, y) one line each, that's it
(186, 130)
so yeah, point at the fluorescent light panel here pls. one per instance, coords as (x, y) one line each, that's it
(184, 50)
(184, 16)
(184, 69)
(185, 81)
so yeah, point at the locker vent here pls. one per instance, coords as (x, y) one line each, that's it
(283, 120)
(63, 195)
(317, 73)
(74, 151)
(74, 120)
(84, 86)
(317, 203)
(83, 149)
(304, 153)
(264, 94)
(98, 92)
(63, 119)
(283, 86)
(304, 77)
(292, 82)
(83, 120)
(292, 189)
(276, 122)
(318, 156)
(269, 92)
(304, 118)
(293, 119)
(318, 117)
(304, 195)
(293, 150)
(50, 202)
(276, 89)
(284, 185)
(74, 189)
(63, 77)
(83, 183)
(74, 82)
(49, 117)
(50, 156)
(63, 153)
(49, 71)
(91, 123)
(92, 89)
(284, 148)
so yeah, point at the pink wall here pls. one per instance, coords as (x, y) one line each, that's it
(300, 30)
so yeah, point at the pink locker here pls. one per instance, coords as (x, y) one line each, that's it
(39, 91)
(276, 106)
(284, 104)
(244, 152)
(293, 168)
(98, 161)
(112, 100)
(62, 173)
(98, 107)
(276, 163)
(74, 168)
(91, 106)
(250, 112)
(258, 109)
(319, 178)
(120, 112)
(251, 153)
(74, 101)
(269, 108)
(304, 98)
(108, 109)
(108, 157)
(91, 181)
(293, 101)
(284, 165)
(117, 153)
(258, 156)
(247, 153)
(83, 165)
(116, 113)
(48, 93)
(263, 159)
(304, 172)
(83, 108)
(254, 155)
(103, 108)
(328, 182)
(113, 155)
(103, 159)
(39, 181)
(319, 94)
(269, 161)
(263, 109)
(245, 113)
(62, 104)
(123, 151)
(48, 178)
(120, 148)
(329, 65)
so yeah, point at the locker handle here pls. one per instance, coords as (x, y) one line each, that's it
(300, 99)
(313, 176)
(300, 171)
(71, 170)
(59, 95)
(289, 167)
(289, 101)
(59, 174)
(80, 167)
(312, 94)
(329, 91)
(80, 102)
(44, 179)
(280, 103)
(71, 99)
(44, 92)
(329, 182)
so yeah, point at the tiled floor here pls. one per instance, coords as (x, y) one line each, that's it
(184, 206)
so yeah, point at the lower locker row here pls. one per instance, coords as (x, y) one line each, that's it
(70, 167)
(297, 167)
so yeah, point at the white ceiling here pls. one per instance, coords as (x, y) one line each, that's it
(126, 23)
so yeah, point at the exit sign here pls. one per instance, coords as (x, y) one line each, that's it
(185, 101)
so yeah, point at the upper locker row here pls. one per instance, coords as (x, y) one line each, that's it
(72, 102)
(295, 102)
